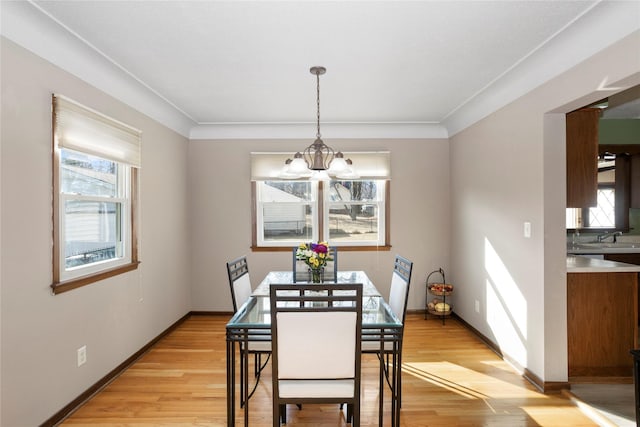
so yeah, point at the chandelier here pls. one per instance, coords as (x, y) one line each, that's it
(318, 160)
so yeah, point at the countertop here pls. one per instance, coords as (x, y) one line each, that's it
(581, 264)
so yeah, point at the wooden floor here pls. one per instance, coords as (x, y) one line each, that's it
(450, 378)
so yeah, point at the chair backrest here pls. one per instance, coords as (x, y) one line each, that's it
(400, 280)
(239, 281)
(301, 270)
(316, 331)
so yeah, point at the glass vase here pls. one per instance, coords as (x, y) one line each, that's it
(316, 275)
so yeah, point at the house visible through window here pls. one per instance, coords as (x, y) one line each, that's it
(93, 198)
(287, 212)
(342, 212)
(95, 184)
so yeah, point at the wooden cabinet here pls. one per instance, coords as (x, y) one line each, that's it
(582, 158)
(602, 324)
(622, 191)
(634, 201)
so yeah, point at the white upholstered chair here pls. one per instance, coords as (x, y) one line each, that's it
(239, 281)
(240, 284)
(316, 340)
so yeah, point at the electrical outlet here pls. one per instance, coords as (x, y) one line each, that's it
(82, 355)
(527, 229)
(477, 306)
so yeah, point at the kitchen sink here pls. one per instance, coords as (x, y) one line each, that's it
(609, 245)
(603, 247)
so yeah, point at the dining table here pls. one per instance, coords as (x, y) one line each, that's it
(252, 323)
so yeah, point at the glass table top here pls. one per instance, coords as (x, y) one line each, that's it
(368, 289)
(256, 312)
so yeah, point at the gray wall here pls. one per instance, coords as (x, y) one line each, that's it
(510, 168)
(220, 214)
(40, 332)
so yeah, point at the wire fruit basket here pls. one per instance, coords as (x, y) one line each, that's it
(438, 306)
(441, 289)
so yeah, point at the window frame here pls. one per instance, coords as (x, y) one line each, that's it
(258, 212)
(321, 227)
(380, 203)
(129, 193)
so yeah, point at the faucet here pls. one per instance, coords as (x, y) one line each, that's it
(614, 234)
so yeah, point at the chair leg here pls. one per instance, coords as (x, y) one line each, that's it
(256, 364)
(283, 413)
(241, 377)
(355, 417)
(397, 367)
(259, 364)
(399, 391)
(276, 414)
(349, 413)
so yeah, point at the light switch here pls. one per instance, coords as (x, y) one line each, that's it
(527, 229)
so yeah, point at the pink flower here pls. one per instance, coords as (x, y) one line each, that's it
(319, 248)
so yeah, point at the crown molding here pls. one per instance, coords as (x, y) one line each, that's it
(28, 26)
(606, 23)
(329, 130)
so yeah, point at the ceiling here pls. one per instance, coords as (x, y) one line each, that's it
(427, 66)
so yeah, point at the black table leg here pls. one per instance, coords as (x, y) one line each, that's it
(397, 382)
(231, 375)
(382, 380)
(244, 360)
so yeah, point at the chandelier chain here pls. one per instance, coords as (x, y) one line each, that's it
(318, 157)
(318, 102)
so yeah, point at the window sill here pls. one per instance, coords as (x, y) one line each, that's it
(60, 287)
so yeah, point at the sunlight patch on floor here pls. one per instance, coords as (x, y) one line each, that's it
(557, 415)
(468, 382)
(502, 365)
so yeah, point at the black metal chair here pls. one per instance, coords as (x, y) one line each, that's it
(240, 284)
(316, 338)
(301, 271)
(398, 296)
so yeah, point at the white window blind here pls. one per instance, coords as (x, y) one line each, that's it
(80, 128)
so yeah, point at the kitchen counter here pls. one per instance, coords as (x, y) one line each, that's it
(602, 318)
(581, 264)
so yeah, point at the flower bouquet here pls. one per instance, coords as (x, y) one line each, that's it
(315, 255)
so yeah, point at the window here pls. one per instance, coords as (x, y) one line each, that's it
(601, 216)
(343, 212)
(612, 209)
(95, 161)
(604, 214)
(355, 213)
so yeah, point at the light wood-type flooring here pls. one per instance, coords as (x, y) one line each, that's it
(450, 378)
